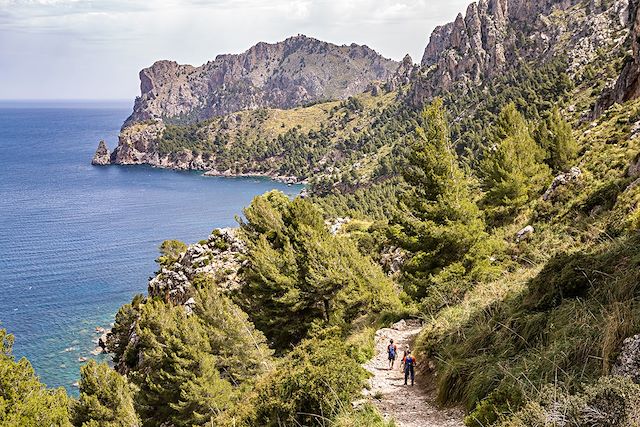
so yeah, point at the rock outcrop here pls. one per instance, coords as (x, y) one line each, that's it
(628, 84)
(403, 74)
(102, 156)
(218, 257)
(287, 74)
(562, 179)
(628, 362)
(137, 144)
(497, 34)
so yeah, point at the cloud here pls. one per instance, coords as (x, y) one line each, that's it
(103, 43)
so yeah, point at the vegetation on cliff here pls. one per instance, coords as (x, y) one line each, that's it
(527, 284)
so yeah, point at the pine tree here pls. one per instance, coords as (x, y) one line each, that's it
(240, 350)
(24, 400)
(106, 399)
(313, 382)
(298, 270)
(512, 171)
(555, 136)
(177, 376)
(442, 223)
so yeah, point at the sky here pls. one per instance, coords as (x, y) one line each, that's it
(94, 49)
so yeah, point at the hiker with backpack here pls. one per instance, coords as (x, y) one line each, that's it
(404, 354)
(392, 350)
(409, 367)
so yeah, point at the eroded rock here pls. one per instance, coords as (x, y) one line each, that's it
(219, 258)
(564, 178)
(628, 362)
(102, 156)
(495, 35)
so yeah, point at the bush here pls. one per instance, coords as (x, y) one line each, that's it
(24, 400)
(611, 402)
(317, 380)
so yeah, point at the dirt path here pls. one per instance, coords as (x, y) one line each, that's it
(408, 406)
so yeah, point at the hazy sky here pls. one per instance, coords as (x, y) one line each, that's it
(93, 49)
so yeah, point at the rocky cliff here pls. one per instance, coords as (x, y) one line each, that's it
(291, 73)
(219, 257)
(627, 86)
(495, 35)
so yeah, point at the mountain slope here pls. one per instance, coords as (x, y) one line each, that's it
(287, 74)
(496, 35)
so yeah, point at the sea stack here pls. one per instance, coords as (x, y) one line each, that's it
(102, 156)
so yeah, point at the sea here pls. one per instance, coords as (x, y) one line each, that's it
(78, 241)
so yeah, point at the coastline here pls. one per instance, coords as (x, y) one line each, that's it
(290, 180)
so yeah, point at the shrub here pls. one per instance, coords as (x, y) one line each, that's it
(317, 380)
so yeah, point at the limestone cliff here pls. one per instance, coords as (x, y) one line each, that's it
(287, 74)
(494, 35)
(627, 86)
(217, 257)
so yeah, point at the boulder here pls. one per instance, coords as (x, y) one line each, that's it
(524, 233)
(102, 341)
(563, 179)
(96, 351)
(628, 362)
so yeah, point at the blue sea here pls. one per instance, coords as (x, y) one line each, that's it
(78, 241)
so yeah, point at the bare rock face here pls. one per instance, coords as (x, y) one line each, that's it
(403, 74)
(102, 156)
(137, 144)
(496, 34)
(287, 74)
(628, 85)
(628, 362)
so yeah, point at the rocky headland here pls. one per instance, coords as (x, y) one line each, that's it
(493, 37)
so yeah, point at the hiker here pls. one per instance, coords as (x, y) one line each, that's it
(409, 364)
(404, 354)
(392, 350)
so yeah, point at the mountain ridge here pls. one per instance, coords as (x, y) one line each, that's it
(286, 74)
(495, 35)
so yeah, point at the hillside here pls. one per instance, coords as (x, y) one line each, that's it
(491, 196)
(296, 71)
(220, 117)
(331, 138)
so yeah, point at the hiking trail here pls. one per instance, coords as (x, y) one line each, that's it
(408, 406)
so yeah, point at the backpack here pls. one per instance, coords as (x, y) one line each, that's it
(392, 351)
(409, 361)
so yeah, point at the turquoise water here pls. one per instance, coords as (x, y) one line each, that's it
(78, 241)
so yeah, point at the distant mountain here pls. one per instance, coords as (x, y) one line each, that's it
(250, 113)
(495, 36)
(291, 73)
